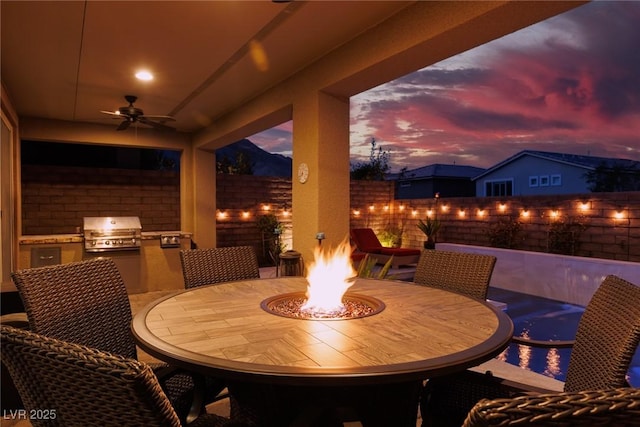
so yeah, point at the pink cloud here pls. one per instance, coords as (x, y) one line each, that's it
(570, 84)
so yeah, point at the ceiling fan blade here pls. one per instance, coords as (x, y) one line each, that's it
(160, 118)
(131, 114)
(160, 126)
(124, 125)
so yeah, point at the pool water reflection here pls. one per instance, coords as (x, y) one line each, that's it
(541, 318)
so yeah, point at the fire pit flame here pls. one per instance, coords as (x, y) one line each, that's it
(326, 298)
(329, 277)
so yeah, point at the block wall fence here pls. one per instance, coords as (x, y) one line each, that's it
(55, 199)
(610, 222)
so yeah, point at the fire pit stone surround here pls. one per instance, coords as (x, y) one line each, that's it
(355, 306)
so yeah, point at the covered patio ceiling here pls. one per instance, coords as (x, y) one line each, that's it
(68, 60)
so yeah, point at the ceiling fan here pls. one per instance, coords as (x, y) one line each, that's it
(132, 114)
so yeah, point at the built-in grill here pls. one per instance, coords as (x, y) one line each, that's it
(112, 233)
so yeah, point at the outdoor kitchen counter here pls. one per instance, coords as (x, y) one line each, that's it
(151, 268)
(78, 238)
(50, 239)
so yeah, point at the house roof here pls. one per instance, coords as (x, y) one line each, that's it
(438, 170)
(578, 160)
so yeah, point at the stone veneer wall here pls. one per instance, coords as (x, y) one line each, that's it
(56, 198)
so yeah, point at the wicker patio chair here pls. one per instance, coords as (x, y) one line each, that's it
(8, 393)
(215, 265)
(607, 337)
(612, 407)
(462, 272)
(65, 384)
(86, 302)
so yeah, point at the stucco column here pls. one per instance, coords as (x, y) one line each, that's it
(321, 141)
(198, 182)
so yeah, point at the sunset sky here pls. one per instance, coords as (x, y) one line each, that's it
(570, 84)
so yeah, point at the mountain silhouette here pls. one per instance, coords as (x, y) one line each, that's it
(263, 163)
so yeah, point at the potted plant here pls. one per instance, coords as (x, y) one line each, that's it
(271, 230)
(367, 268)
(391, 236)
(430, 228)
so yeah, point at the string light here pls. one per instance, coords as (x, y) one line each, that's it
(554, 214)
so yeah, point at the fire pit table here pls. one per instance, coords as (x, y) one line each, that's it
(287, 368)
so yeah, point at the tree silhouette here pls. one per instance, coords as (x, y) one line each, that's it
(611, 177)
(376, 168)
(241, 166)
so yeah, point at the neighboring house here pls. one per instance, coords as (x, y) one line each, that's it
(541, 173)
(425, 182)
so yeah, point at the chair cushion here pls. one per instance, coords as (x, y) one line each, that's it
(366, 240)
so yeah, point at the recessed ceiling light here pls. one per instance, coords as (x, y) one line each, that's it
(144, 75)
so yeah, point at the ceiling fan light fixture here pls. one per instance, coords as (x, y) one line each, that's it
(132, 114)
(144, 75)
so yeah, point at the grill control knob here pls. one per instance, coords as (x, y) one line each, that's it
(107, 242)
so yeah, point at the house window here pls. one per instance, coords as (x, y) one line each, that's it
(556, 180)
(533, 181)
(544, 180)
(499, 188)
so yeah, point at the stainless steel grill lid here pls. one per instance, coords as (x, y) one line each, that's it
(112, 223)
(111, 233)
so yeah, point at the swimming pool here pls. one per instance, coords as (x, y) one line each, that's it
(541, 318)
